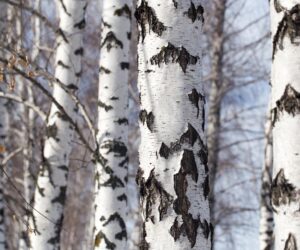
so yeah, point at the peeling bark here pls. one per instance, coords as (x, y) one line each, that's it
(50, 193)
(111, 213)
(173, 176)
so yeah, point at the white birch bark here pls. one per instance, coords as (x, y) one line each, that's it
(50, 192)
(173, 174)
(285, 25)
(266, 213)
(112, 165)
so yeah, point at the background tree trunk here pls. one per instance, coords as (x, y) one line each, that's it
(51, 187)
(173, 174)
(285, 26)
(266, 213)
(112, 167)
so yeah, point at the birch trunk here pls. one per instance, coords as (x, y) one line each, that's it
(285, 24)
(50, 193)
(173, 173)
(215, 98)
(266, 213)
(112, 167)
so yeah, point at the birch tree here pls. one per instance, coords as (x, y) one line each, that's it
(285, 25)
(52, 180)
(112, 167)
(173, 174)
(266, 213)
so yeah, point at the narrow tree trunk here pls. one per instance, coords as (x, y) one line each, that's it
(266, 213)
(215, 98)
(50, 193)
(285, 16)
(173, 174)
(112, 169)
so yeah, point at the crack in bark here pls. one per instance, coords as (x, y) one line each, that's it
(62, 64)
(144, 245)
(124, 11)
(283, 192)
(148, 118)
(288, 102)
(194, 13)
(146, 15)
(290, 243)
(111, 41)
(171, 54)
(116, 217)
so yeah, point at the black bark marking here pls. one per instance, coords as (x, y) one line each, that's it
(148, 118)
(117, 147)
(129, 35)
(190, 136)
(172, 54)
(61, 198)
(105, 24)
(124, 163)
(194, 13)
(51, 131)
(124, 65)
(205, 187)
(104, 70)
(80, 25)
(122, 121)
(113, 182)
(124, 11)
(282, 191)
(114, 98)
(175, 3)
(289, 25)
(195, 97)
(60, 63)
(289, 102)
(116, 217)
(152, 191)
(103, 105)
(146, 15)
(72, 87)
(56, 239)
(290, 243)
(122, 197)
(164, 151)
(111, 41)
(79, 51)
(144, 245)
(101, 236)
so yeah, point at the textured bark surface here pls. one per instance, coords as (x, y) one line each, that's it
(266, 212)
(173, 174)
(50, 193)
(215, 98)
(112, 138)
(285, 16)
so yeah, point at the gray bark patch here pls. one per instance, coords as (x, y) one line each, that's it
(146, 15)
(290, 243)
(111, 41)
(289, 102)
(171, 54)
(147, 118)
(282, 191)
(124, 11)
(194, 13)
